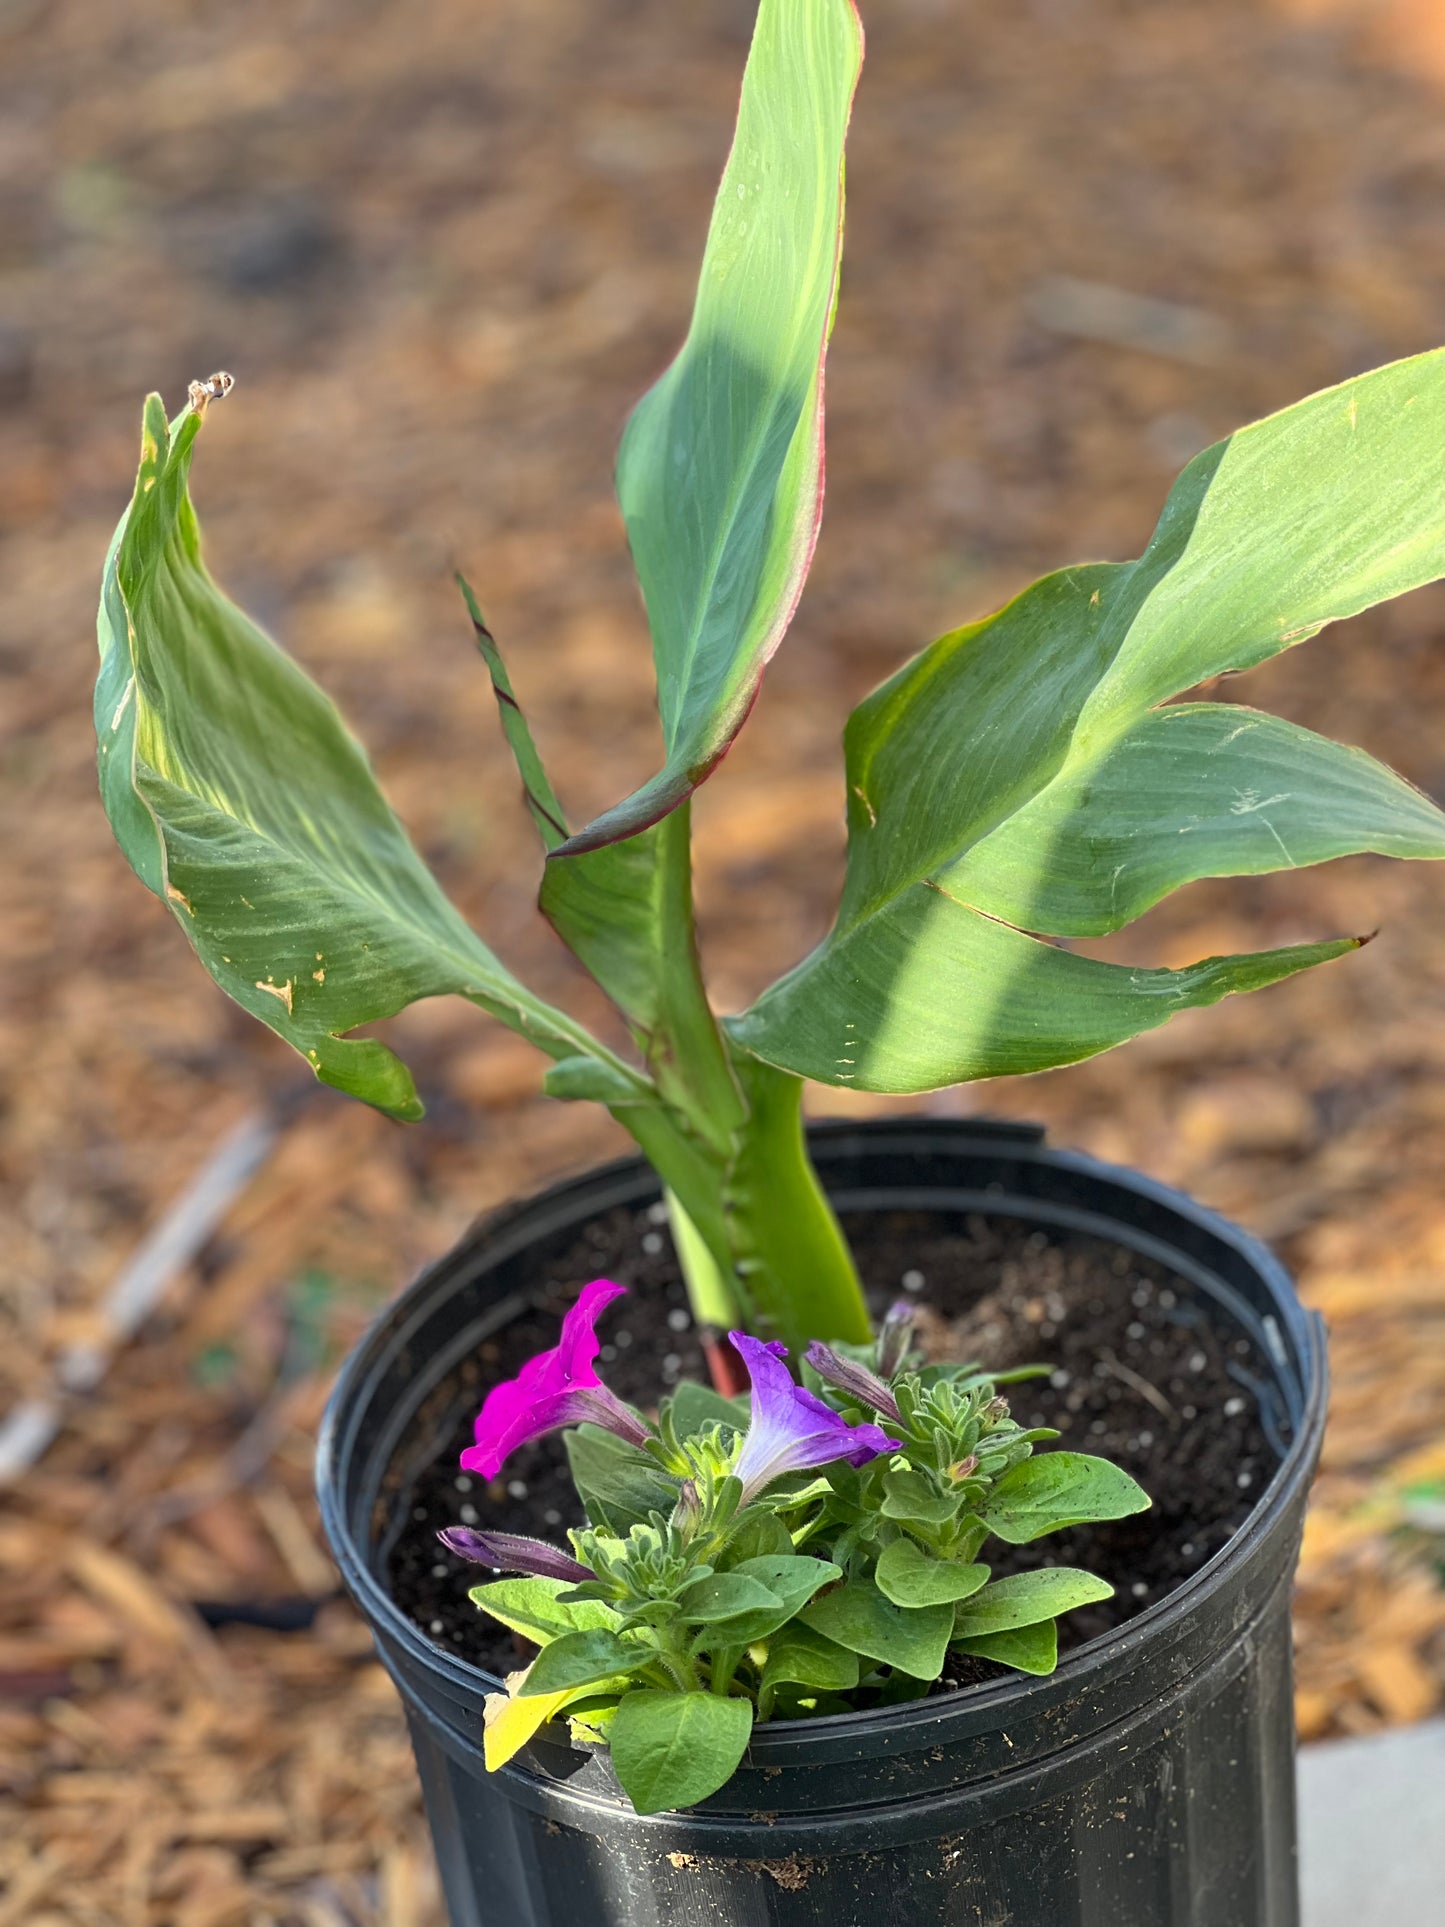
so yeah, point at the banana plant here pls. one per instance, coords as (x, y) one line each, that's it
(1037, 776)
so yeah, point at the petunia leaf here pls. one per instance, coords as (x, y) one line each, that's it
(532, 1607)
(912, 1499)
(757, 1533)
(694, 1407)
(1026, 1598)
(910, 1577)
(1057, 1489)
(798, 1656)
(619, 1485)
(673, 1749)
(511, 1721)
(584, 1658)
(724, 1598)
(1031, 1649)
(859, 1617)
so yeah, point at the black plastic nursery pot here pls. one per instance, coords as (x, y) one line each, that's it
(1149, 1782)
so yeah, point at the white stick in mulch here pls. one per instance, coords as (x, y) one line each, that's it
(1094, 311)
(27, 1431)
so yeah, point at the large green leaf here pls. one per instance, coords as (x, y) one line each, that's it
(1194, 790)
(943, 995)
(720, 474)
(241, 799)
(1020, 773)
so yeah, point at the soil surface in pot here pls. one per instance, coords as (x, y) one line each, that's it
(1138, 1376)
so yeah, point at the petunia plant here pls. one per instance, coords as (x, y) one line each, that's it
(811, 1550)
(1041, 775)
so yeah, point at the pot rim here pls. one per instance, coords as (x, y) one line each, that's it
(793, 1741)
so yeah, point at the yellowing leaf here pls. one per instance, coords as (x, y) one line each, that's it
(511, 1722)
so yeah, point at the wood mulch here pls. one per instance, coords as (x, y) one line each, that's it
(442, 248)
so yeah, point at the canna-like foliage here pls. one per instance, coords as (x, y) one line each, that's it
(1030, 778)
(803, 1552)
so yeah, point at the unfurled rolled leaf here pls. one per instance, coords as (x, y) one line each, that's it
(1020, 777)
(1026, 1598)
(1058, 1489)
(241, 799)
(913, 1639)
(720, 473)
(673, 1749)
(911, 1577)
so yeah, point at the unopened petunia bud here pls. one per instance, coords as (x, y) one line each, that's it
(894, 1337)
(687, 1513)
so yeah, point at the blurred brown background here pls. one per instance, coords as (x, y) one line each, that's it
(442, 249)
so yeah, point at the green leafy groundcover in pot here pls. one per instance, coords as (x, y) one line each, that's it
(813, 1548)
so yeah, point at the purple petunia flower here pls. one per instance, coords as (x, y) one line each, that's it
(510, 1552)
(791, 1429)
(553, 1389)
(853, 1380)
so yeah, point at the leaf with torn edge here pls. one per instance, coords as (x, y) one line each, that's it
(242, 801)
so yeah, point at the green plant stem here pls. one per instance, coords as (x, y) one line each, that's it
(684, 1046)
(757, 1239)
(724, 1664)
(790, 1252)
(716, 1302)
(680, 1669)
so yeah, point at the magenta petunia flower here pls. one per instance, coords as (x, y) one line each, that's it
(553, 1389)
(511, 1552)
(791, 1429)
(854, 1380)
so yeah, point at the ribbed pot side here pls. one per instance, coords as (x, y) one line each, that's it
(1148, 1783)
